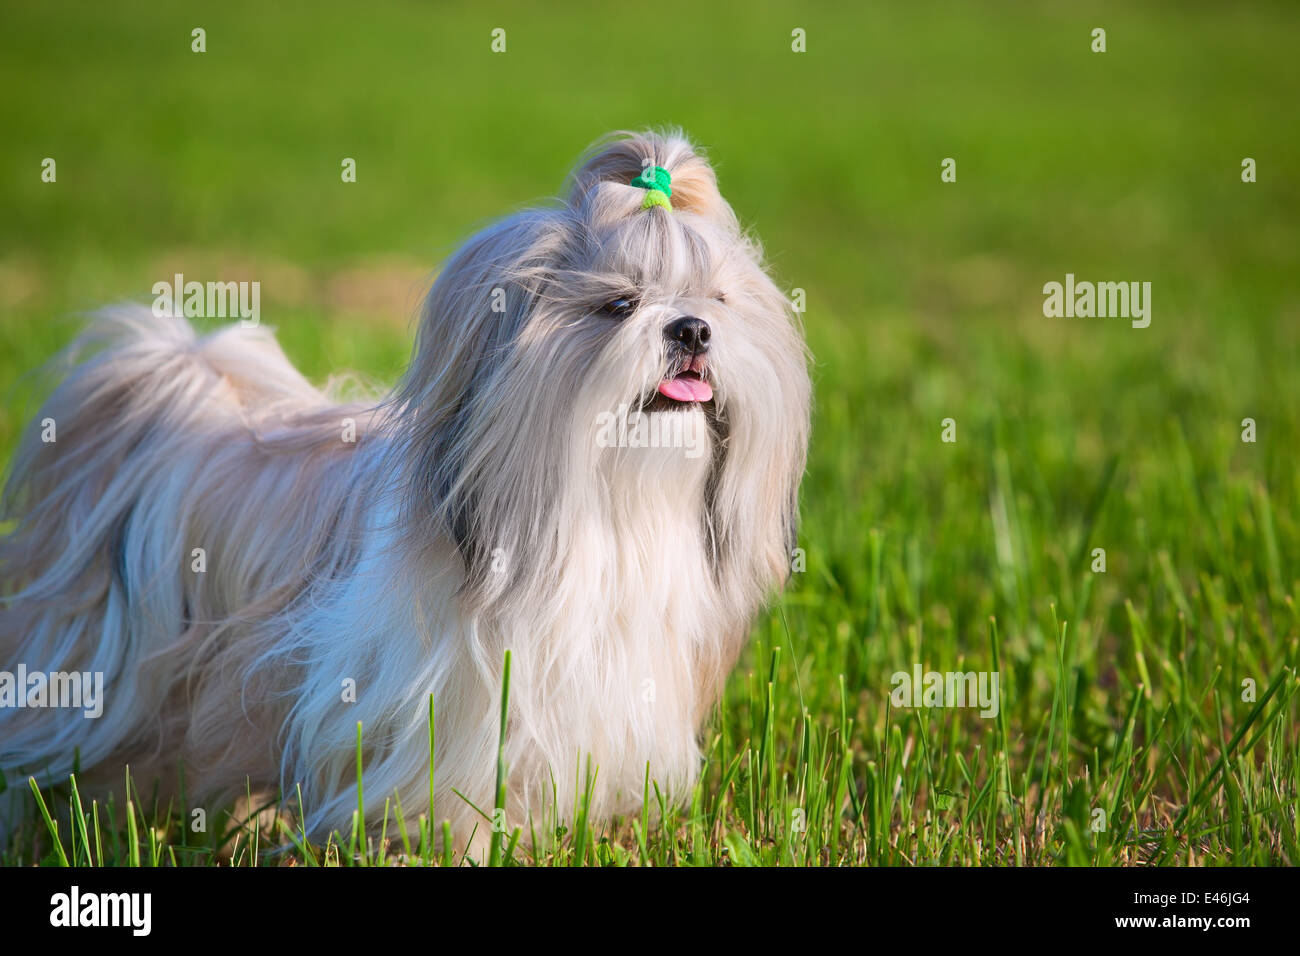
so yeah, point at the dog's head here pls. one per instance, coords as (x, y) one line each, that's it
(627, 343)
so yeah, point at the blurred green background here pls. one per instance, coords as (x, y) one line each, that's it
(924, 298)
(923, 295)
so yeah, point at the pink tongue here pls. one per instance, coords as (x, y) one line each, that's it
(683, 389)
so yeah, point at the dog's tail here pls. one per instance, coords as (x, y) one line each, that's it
(99, 504)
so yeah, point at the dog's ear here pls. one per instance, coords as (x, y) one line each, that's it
(753, 502)
(624, 156)
(469, 319)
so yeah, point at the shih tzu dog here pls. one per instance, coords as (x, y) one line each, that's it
(592, 462)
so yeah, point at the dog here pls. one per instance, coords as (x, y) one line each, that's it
(256, 567)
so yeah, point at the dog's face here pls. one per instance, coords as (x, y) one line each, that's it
(657, 314)
(602, 351)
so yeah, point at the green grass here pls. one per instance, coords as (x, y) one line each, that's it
(1121, 691)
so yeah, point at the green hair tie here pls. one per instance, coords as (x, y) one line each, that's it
(658, 186)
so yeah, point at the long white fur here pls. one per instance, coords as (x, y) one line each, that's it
(476, 512)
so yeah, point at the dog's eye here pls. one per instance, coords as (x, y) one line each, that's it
(619, 308)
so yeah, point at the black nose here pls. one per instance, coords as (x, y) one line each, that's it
(690, 333)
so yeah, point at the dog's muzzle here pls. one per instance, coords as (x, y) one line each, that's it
(688, 342)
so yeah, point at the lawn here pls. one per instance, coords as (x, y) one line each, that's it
(1148, 711)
